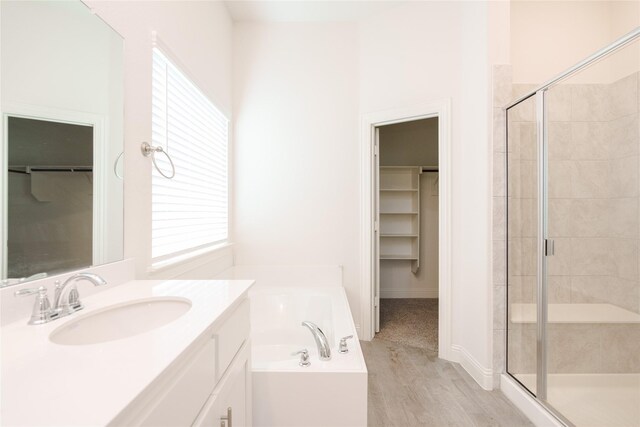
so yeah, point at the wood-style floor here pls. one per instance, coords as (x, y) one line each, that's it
(411, 386)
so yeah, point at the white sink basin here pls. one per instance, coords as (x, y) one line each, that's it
(121, 321)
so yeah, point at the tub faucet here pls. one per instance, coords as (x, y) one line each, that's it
(324, 350)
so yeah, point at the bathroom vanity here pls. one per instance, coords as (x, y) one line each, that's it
(192, 369)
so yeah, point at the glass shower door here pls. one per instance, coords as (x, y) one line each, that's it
(592, 337)
(573, 241)
(522, 266)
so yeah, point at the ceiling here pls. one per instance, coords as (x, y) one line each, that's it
(306, 10)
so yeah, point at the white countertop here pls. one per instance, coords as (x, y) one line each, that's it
(47, 384)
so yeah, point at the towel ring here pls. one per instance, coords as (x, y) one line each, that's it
(150, 151)
(115, 166)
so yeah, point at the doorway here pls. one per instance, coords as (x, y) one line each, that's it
(49, 200)
(73, 170)
(403, 237)
(407, 233)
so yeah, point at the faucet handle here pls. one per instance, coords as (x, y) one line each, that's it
(42, 312)
(30, 291)
(343, 344)
(304, 357)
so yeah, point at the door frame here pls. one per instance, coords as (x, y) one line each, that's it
(368, 175)
(100, 169)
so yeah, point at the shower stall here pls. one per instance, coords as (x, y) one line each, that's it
(573, 239)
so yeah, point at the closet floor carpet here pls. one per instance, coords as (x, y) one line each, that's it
(410, 321)
(410, 386)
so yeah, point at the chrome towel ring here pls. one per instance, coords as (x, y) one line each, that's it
(149, 150)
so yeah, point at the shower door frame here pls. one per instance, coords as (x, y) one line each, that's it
(544, 244)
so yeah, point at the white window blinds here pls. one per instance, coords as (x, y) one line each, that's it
(190, 211)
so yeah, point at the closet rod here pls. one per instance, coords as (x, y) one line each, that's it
(429, 168)
(29, 169)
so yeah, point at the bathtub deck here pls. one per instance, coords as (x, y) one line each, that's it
(410, 386)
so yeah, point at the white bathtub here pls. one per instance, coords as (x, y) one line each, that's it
(327, 393)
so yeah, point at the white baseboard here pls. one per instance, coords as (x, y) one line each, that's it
(408, 293)
(527, 404)
(482, 375)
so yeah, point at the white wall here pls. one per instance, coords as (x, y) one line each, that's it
(300, 91)
(198, 34)
(499, 31)
(61, 46)
(429, 51)
(296, 168)
(548, 37)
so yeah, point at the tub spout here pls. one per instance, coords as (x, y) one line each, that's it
(324, 350)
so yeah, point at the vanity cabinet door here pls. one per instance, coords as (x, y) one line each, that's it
(186, 393)
(229, 406)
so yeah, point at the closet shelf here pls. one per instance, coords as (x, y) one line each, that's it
(407, 257)
(398, 213)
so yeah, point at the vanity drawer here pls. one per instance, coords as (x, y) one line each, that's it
(230, 337)
(231, 396)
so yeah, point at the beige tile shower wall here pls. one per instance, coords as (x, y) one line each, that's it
(593, 193)
(501, 96)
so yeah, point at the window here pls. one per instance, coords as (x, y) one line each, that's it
(189, 212)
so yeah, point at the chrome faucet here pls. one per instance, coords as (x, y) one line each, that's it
(67, 299)
(66, 302)
(324, 350)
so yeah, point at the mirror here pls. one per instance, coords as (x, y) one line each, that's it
(61, 181)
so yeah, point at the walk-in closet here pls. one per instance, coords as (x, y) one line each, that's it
(408, 233)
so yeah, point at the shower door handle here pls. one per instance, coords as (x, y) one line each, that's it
(228, 420)
(549, 247)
